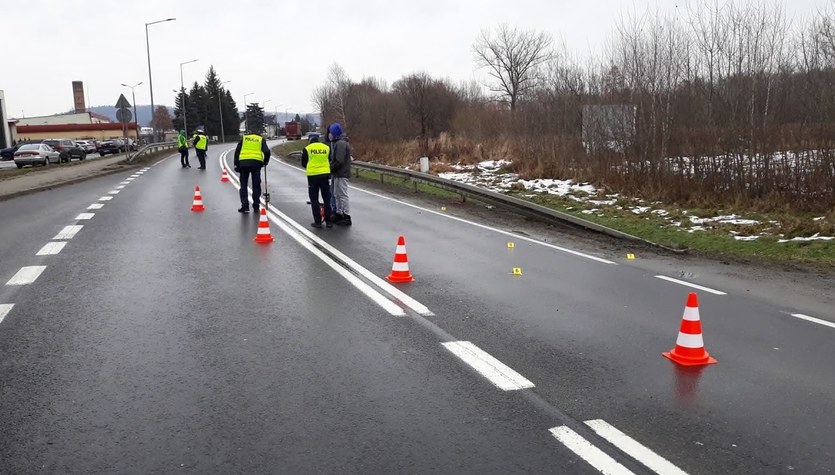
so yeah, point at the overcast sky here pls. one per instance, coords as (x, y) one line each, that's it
(278, 50)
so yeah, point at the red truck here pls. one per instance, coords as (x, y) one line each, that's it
(293, 130)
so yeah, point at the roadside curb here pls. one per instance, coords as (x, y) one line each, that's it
(103, 172)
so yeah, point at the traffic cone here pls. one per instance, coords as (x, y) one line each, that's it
(690, 348)
(400, 267)
(263, 235)
(197, 204)
(224, 177)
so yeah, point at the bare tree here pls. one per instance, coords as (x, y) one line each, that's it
(512, 58)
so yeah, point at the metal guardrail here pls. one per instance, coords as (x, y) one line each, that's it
(150, 148)
(523, 207)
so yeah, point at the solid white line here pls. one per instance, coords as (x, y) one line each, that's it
(26, 275)
(813, 320)
(690, 284)
(286, 223)
(486, 365)
(105, 198)
(96, 206)
(478, 225)
(5, 308)
(51, 248)
(635, 449)
(588, 452)
(83, 216)
(69, 232)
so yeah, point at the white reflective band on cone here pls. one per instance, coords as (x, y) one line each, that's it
(691, 314)
(263, 231)
(400, 250)
(690, 341)
(400, 266)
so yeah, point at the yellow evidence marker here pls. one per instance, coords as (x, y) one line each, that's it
(630, 257)
(443, 208)
(511, 245)
(516, 271)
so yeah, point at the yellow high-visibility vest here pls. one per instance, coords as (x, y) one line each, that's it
(251, 148)
(201, 142)
(317, 159)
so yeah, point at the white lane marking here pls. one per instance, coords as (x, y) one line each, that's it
(5, 308)
(105, 198)
(83, 216)
(134, 176)
(635, 449)
(690, 284)
(96, 206)
(26, 275)
(124, 183)
(286, 223)
(114, 192)
(69, 232)
(486, 365)
(588, 452)
(478, 225)
(51, 248)
(120, 187)
(130, 179)
(813, 320)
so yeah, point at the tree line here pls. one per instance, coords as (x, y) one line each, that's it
(208, 105)
(730, 103)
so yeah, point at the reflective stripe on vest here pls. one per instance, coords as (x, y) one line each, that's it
(317, 159)
(251, 148)
(202, 142)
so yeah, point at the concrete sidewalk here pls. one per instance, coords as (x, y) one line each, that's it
(53, 176)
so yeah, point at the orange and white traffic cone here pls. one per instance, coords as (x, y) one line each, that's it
(197, 204)
(224, 177)
(400, 267)
(263, 235)
(690, 347)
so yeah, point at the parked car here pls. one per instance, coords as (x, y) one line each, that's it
(8, 153)
(36, 154)
(87, 145)
(113, 146)
(67, 148)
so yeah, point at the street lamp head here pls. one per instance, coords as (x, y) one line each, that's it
(159, 21)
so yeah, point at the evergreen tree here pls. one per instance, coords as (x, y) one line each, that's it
(231, 115)
(213, 91)
(196, 108)
(178, 110)
(297, 118)
(255, 118)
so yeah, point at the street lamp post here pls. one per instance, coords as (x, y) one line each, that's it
(183, 92)
(148, 51)
(265, 107)
(135, 115)
(220, 110)
(246, 113)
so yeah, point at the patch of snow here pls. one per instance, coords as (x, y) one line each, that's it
(493, 164)
(696, 228)
(590, 211)
(746, 238)
(728, 219)
(660, 212)
(640, 209)
(821, 218)
(814, 237)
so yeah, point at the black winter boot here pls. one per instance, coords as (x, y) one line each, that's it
(345, 221)
(336, 218)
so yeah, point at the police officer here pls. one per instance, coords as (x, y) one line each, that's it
(318, 168)
(182, 145)
(201, 144)
(251, 155)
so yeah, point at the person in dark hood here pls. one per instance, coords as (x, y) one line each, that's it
(182, 145)
(340, 161)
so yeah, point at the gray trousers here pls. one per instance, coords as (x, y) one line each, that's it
(340, 195)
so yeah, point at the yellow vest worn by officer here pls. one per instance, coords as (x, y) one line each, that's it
(251, 148)
(317, 159)
(201, 142)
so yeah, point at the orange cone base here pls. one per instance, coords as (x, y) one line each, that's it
(675, 357)
(263, 238)
(198, 208)
(224, 179)
(397, 279)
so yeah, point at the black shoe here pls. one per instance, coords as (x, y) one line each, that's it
(256, 210)
(316, 225)
(243, 210)
(328, 224)
(188, 166)
(201, 168)
(336, 218)
(346, 220)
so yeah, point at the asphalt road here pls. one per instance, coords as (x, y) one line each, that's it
(162, 340)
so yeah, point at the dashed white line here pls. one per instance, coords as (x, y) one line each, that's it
(105, 198)
(486, 365)
(83, 216)
(126, 182)
(26, 275)
(114, 192)
(690, 284)
(633, 448)
(52, 248)
(69, 232)
(588, 452)
(5, 308)
(120, 187)
(96, 206)
(813, 320)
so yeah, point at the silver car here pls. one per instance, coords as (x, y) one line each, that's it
(36, 154)
(87, 145)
